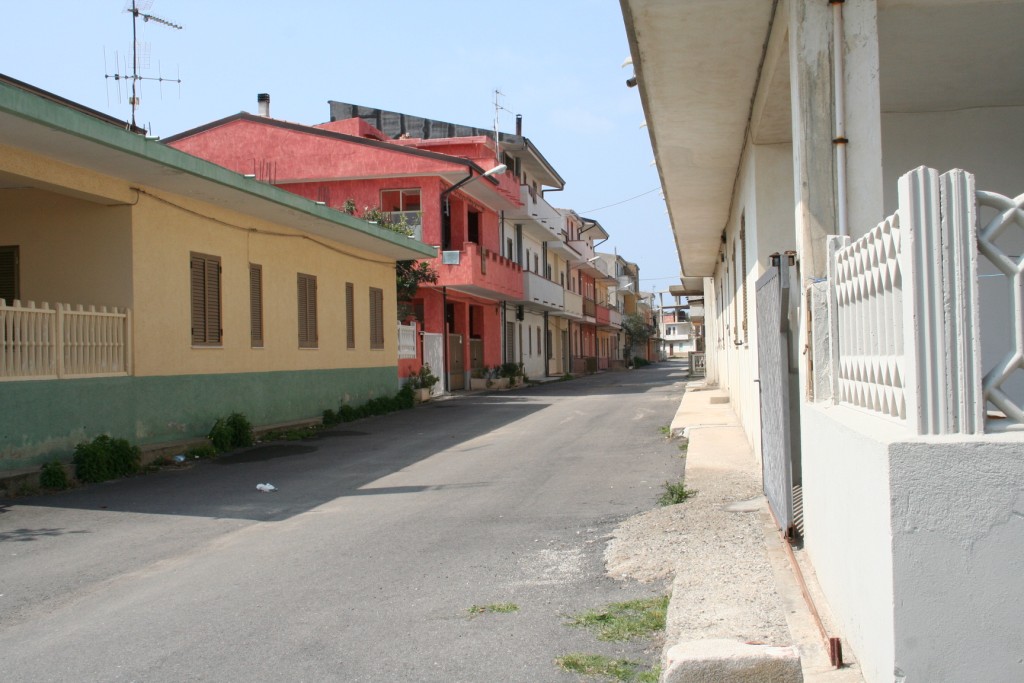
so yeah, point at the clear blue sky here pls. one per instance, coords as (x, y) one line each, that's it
(556, 61)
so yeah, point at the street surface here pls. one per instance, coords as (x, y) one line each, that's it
(365, 562)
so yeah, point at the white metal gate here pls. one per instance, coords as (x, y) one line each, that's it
(433, 356)
(773, 369)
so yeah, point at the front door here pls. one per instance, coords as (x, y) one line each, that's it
(456, 363)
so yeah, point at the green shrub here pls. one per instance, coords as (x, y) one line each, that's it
(331, 418)
(53, 476)
(348, 413)
(406, 397)
(104, 458)
(233, 432)
(639, 362)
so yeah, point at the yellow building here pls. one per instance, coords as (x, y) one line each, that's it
(147, 292)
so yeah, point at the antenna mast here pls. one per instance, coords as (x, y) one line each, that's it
(497, 110)
(138, 9)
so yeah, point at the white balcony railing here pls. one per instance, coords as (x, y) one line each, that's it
(39, 342)
(573, 305)
(542, 292)
(407, 340)
(907, 330)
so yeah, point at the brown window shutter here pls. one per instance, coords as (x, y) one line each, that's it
(204, 274)
(350, 315)
(307, 311)
(9, 274)
(376, 318)
(256, 305)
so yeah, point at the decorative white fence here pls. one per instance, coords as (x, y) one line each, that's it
(407, 340)
(904, 309)
(63, 342)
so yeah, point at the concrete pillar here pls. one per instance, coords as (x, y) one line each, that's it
(810, 61)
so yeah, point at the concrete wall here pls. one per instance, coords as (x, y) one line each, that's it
(958, 553)
(848, 532)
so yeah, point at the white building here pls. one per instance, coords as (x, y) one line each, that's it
(779, 124)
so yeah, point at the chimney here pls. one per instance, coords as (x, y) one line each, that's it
(263, 100)
(519, 125)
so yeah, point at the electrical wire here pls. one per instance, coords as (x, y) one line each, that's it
(600, 208)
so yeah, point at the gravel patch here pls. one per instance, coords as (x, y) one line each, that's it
(722, 582)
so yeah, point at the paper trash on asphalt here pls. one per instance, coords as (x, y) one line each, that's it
(266, 488)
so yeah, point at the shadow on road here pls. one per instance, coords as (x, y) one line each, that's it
(339, 462)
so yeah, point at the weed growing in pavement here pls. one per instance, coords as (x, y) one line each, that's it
(53, 476)
(615, 669)
(675, 493)
(495, 608)
(625, 620)
(665, 430)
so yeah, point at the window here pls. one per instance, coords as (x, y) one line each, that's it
(509, 249)
(510, 342)
(256, 305)
(9, 274)
(400, 200)
(350, 316)
(529, 339)
(536, 263)
(206, 315)
(307, 311)
(376, 318)
(540, 349)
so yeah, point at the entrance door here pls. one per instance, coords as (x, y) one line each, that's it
(433, 356)
(476, 354)
(456, 363)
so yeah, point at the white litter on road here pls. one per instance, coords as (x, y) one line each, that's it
(266, 488)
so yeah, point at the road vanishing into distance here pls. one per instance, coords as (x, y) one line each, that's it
(364, 564)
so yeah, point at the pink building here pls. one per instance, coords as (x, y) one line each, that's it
(415, 178)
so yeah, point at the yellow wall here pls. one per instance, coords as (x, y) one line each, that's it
(166, 234)
(88, 238)
(71, 251)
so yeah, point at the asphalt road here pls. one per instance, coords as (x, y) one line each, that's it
(365, 562)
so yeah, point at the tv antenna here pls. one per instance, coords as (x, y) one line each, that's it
(139, 9)
(498, 108)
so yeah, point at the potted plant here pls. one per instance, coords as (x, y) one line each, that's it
(511, 373)
(478, 379)
(422, 383)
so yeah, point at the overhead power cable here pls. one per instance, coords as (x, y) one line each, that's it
(622, 202)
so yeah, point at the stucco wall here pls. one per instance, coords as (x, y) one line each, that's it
(164, 237)
(71, 250)
(848, 533)
(958, 554)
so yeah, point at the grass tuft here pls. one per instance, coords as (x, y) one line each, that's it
(494, 608)
(625, 620)
(599, 665)
(675, 493)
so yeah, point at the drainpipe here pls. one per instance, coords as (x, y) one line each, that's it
(444, 338)
(839, 93)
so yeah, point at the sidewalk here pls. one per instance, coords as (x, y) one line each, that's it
(736, 612)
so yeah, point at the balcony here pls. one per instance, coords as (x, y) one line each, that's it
(573, 305)
(541, 292)
(585, 248)
(481, 272)
(614, 318)
(413, 221)
(589, 308)
(601, 314)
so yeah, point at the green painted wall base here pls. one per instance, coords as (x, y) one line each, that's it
(44, 419)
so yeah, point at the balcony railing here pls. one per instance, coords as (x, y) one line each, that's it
(590, 308)
(63, 342)
(573, 305)
(906, 316)
(542, 292)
